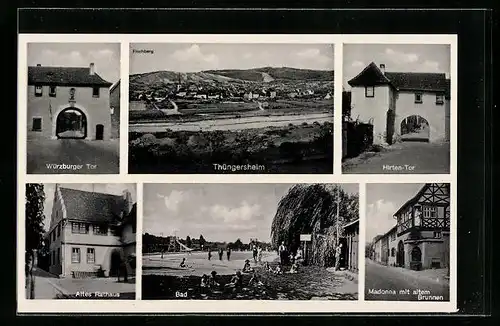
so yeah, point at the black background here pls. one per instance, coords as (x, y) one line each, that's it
(474, 107)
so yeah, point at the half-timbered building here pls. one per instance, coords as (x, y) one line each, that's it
(423, 228)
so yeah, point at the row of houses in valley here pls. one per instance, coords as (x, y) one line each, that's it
(252, 93)
(420, 239)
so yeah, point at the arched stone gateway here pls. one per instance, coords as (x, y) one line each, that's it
(414, 128)
(71, 123)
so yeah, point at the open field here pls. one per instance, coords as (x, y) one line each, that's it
(203, 110)
(301, 148)
(170, 282)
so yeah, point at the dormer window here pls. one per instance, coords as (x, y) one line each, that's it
(418, 97)
(369, 91)
(38, 90)
(52, 91)
(439, 99)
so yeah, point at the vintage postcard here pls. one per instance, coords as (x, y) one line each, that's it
(198, 173)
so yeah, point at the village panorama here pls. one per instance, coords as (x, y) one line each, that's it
(231, 108)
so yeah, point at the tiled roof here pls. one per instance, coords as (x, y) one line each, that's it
(417, 81)
(372, 75)
(64, 76)
(92, 206)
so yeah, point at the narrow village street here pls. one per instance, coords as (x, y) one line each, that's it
(49, 286)
(91, 157)
(420, 157)
(380, 278)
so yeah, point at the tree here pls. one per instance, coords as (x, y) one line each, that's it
(238, 244)
(311, 209)
(35, 198)
(188, 241)
(202, 240)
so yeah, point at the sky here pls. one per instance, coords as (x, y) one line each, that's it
(107, 188)
(186, 57)
(382, 201)
(396, 57)
(105, 56)
(219, 212)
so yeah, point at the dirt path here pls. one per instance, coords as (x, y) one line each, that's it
(403, 158)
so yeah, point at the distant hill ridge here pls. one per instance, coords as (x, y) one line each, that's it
(255, 75)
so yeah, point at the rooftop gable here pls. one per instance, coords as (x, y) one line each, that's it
(65, 76)
(412, 200)
(95, 207)
(371, 75)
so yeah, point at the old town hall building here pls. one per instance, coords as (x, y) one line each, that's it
(68, 102)
(91, 233)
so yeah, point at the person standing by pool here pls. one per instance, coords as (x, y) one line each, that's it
(228, 253)
(282, 253)
(209, 253)
(254, 250)
(221, 253)
(259, 254)
(338, 252)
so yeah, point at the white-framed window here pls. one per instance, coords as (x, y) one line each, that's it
(37, 124)
(418, 97)
(112, 110)
(100, 229)
(38, 90)
(75, 255)
(439, 99)
(369, 91)
(90, 255)
(52, 91)
(430, 212)
(81, 228)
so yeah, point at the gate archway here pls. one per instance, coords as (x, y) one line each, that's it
(415, 128)
(71, 123)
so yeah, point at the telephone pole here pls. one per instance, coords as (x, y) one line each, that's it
(337, 223)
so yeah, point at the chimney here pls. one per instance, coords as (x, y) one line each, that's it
(38, 65)
(92, 69)
(382, 68)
